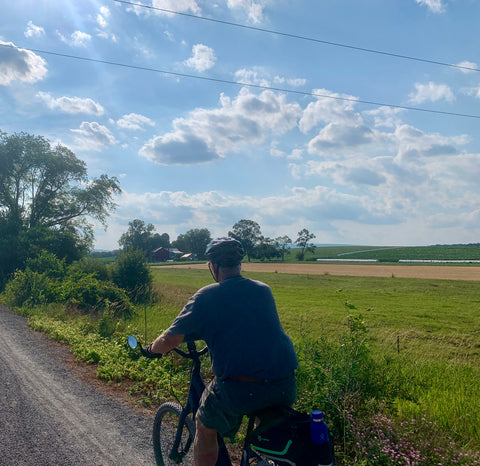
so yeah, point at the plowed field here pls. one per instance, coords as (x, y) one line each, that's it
(446, 272)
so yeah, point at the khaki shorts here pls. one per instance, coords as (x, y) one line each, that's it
(225, 402)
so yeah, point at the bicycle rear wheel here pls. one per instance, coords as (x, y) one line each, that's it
(165, 429)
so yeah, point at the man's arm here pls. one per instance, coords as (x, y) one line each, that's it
(165, 342)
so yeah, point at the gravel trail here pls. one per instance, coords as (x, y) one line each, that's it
(49, 416)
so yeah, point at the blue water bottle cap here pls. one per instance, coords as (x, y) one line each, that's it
(317, 415)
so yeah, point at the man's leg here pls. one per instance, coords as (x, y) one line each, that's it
(205, 446)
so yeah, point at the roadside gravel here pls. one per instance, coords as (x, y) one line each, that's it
(50, 416)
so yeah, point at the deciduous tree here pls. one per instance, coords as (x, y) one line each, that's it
(304, 236)
(46, 197)
(248, 233)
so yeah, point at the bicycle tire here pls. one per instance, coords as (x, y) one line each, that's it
(164, 432)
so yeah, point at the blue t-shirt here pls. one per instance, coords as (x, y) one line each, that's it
(238, 320)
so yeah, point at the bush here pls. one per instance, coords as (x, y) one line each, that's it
(90, 295)
(28, 288)
(131, 273)
(90, 265)
(48, 264)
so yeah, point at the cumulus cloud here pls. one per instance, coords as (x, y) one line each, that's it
(178, 148)
(203, 58)
(20, 65)
(334, 136)
(329, 107)
(254, 9)
(207, 134)
(435, 6)
(93, 136)
(431, 92)
(76, 39)
(71, 104)
(134, 121)
(33, 30)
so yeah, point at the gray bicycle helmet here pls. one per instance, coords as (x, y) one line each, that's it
(226, 252)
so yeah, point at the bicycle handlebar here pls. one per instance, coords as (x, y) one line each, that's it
(191, 354)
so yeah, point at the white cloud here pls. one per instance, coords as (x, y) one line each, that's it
(260, 77)
(134, 121)
(93, 136)
(255, 76)
(475, 91)
(431, 92)
(295, 154)
(71, 104)
(254, 9)
(202, 59)
(33, 30)
(385, 116)
(435, 6)
(329, 107)
(182, 6)
(468, 66)
(76, 39)
(338, 136)
(207, 134)
(294, 82)
(20, 65)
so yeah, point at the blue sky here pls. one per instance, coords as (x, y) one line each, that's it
(279, 131)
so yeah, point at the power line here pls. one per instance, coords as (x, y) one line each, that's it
(239, 83)
(305, 38)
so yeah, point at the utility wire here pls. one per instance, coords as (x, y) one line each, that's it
(295, 36)
(239, 83)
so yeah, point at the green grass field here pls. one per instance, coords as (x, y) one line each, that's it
(424, 335)
(392, 253)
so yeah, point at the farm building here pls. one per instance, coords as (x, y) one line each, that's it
(165, 254)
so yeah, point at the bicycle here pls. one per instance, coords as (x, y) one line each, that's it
(174, 426)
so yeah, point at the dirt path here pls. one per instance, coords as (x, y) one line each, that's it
(48, 416)
(362, 270)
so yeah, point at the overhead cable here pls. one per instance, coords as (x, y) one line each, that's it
(305, 38)
(244, 84)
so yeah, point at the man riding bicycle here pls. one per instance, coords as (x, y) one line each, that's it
(253, 359)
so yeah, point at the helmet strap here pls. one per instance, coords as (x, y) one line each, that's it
(213, 270)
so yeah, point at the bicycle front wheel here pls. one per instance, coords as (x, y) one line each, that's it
(165, 428)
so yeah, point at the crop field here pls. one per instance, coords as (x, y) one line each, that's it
(449, 272)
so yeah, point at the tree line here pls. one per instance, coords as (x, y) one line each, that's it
(141, 236)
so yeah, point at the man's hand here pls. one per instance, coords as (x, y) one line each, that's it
(148, 353)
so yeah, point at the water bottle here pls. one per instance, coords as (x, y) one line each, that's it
(318, 428)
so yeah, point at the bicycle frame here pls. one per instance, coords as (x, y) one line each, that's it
(197, 386)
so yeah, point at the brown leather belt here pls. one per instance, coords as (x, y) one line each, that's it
(252, 380)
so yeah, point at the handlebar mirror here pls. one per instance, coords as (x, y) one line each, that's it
(132, 342)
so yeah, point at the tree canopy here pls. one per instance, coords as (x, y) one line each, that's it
(142, 237)
(45, 200)
(194, 241)
(248, 233)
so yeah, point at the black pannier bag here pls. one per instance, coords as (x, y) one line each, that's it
(284, 436)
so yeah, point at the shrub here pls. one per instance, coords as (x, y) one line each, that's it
(48, 264)
(131, 273)
(90, 295)
(28, 288)
(90, 265)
